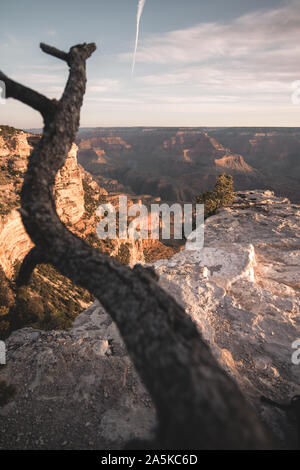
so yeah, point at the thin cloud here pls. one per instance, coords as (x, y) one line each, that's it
(39, 78)
(45, 67)
(255, 57)
(51, 33)
(165, 79)
(264, 33)
(104, 85)
(114, 100)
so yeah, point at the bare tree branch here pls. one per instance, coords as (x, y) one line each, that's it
(27, 96)
(198, 405)
(34, 257)
(55, 52)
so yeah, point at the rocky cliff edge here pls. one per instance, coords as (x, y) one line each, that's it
(78, 389)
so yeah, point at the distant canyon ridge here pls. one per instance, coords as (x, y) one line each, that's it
(176, 164)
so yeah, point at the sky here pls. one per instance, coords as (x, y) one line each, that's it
(198, 63)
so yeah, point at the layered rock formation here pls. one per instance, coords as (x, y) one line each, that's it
(14, 152)
(14, 241)
(273, 151)
(233, 162)
(78, 389)
(75, 205)
(69, 194)
(179, 163)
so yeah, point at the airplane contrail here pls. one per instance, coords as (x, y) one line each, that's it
(140, 8)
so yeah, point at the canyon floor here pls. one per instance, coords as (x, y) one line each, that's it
(78, 389)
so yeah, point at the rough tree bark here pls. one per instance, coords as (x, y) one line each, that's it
(198, 405)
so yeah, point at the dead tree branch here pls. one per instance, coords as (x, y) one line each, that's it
(198, 405)
(27, 96)
(55, 52)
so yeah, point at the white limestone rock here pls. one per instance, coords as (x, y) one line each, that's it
(76, 389)
(242, 291)
(248, 306)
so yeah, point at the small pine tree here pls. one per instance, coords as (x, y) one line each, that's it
(208, 198)
(221, 196)
(224, 190)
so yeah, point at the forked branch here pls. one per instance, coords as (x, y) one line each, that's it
(198, 405)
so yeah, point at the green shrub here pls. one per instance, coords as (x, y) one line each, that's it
(221, 196)
(49, 301)
(29, 309)
(8, 131)
(224, 190)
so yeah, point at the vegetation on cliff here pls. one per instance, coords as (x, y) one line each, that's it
(221, 196)
(49, 301)
(8, 131)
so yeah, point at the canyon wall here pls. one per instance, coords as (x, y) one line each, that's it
(77, 197)
(14, 152)
(179, 163)
(69, 194)
(14, 242)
